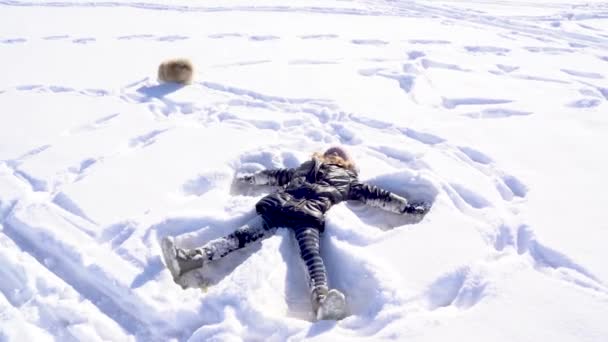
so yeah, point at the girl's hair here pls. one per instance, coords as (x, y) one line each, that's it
(336, 160)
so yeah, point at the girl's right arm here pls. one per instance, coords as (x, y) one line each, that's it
(276, 177)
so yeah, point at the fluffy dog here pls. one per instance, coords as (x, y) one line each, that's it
(177, 70)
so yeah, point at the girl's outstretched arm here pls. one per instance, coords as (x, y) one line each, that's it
(386, 200)
(276, 177)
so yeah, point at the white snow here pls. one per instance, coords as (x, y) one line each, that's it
(494, 111)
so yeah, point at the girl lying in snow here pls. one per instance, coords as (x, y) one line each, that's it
(306, 193)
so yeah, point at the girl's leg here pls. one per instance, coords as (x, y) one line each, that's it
(180, 260)
(326, 303)
(308, 240)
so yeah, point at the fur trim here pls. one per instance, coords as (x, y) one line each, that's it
(338, 156)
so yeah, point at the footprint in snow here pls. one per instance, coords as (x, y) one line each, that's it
(146, 139)
(496, 113)
(136, 36)
(171, 38)
(60, 89)
(95, 92)
(584, 103)
(415, 54)
(319, 36)
(584, 74)
(476, 155)
(56, 37)
(507, 68)
(83, 40)
(422, 137)
(29, 87)
(539, 79)
(310, 62)
(243, 63)
(429, 64)
(373, 42)
(13, 40)
(262, 38)
(577, 45)
(488, 49)
(224, 35)
(429, 41)
(548, 50)
(516, 187)
(470, 197)
(470, 101)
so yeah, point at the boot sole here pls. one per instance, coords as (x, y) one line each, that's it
(168, 247)
(333, 307)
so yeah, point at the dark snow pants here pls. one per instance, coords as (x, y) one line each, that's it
(308, 240)
(257, 229)
(254, 230)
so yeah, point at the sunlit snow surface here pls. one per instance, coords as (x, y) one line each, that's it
(494, 111)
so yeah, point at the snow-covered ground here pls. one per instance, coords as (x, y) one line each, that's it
(496, 111)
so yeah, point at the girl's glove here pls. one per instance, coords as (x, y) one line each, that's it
(249, 179)
(417, 208)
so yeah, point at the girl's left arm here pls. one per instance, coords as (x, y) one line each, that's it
(386, 200)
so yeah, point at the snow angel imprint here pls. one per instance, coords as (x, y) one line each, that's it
(305, 194)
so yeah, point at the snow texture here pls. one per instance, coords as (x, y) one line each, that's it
(493, 111)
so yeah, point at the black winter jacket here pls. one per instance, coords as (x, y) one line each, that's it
(308, 191)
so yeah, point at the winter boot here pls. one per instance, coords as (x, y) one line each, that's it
(328, 305)
(180, 261)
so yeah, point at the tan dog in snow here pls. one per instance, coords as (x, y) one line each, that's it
(177, 70)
